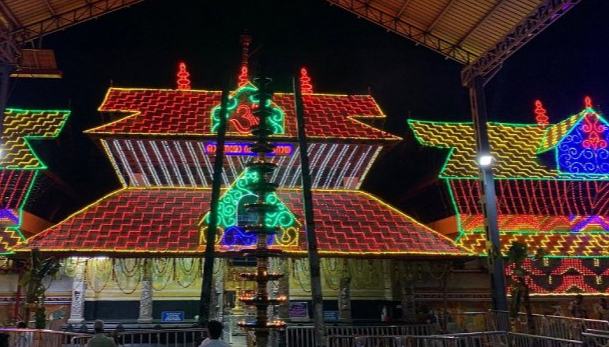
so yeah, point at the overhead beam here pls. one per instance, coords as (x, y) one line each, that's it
(480, 23)
(402, 28)
(51, 11)
(9, 14)
(401, 11)
(490, 61)
(441, 15)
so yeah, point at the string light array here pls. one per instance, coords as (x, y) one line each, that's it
(187, 163)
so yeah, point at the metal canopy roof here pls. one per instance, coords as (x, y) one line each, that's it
(22, 21)
(477, 33)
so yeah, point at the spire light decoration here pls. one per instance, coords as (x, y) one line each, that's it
(243, 78)
(540, 115)
(262, 169)
(183, 78)
(305, 82)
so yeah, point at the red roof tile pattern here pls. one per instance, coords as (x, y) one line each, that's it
(355, 222)
(166, 221)
(133, 220)
(187, 112)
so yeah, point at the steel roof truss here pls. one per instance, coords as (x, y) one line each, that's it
(400, 27)
(523, 32)
(441, 15)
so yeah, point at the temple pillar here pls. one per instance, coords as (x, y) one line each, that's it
(146, 295)
(79, 289)
(388, 276)
(407, 277)
(284, 288)
(218, 298)
(344, 294)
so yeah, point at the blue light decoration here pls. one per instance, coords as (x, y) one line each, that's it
(597, 221)
(584, 149)
(237, 236)
(6, 213)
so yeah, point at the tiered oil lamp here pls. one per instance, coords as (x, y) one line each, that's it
(262, 188)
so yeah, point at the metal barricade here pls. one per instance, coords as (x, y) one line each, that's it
(527, 340)
(304, 336)
(596, 338)
(191, 337)
(480, 339)
(596, 324)
(37, 338)
(377, 341)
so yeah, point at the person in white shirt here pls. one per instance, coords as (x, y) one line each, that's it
(215, 331)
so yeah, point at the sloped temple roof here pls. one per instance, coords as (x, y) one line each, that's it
(551, 183)
(19, 164)
(516, 148)
(165, 222)
(150, 112)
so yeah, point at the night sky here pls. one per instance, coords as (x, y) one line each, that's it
(141, 47)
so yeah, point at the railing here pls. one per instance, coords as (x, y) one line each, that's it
(527, 340)
(339, 336)
(596, 338)
(37, 338)
(478, 339)
(191, 337)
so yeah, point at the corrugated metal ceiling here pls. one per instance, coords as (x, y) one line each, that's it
(462, 30)
(459, 29)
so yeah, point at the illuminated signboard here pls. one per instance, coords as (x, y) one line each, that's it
(243, 148)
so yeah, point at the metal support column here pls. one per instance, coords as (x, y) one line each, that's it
(487, 192)
(5, 71)
(307, 197)
(207, 288)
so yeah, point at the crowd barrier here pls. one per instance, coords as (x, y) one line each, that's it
(14, 337)
(304, 336)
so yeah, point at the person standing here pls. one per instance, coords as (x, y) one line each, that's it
(215, 331)
(100, 339)
(577, 308)
(601, 309)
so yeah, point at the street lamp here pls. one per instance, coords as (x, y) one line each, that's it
(485, 160)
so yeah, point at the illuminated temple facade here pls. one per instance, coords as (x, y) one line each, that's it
(552, 195)
(137, 251)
